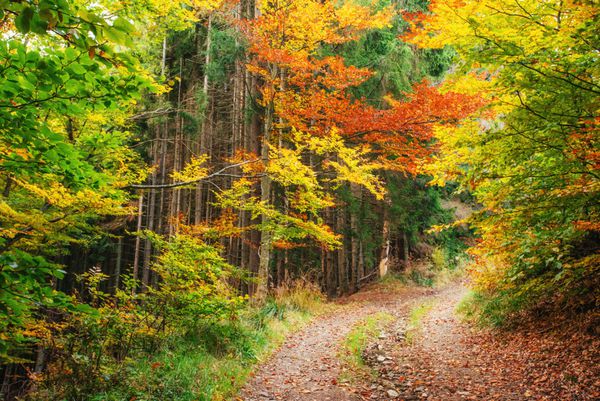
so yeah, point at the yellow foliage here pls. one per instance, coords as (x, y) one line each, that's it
(301, 26)
(350, 164)
(193, 171)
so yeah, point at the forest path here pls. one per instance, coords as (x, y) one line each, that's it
(446, 359)
(437, 359)
(434, 356)
(306, 367)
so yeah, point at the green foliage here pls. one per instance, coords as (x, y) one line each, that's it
(491, 310)
(415, 206)
(193, 282)
(66, 86)
(193, 304)
(397, 65)
(207, 359)
(225, 50)
(23, 279)
(420, 277)
(532, 164)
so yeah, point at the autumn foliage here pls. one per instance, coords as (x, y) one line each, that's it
(162, 163)
(532, 162)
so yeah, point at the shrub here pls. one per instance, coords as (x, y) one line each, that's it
(90, 352)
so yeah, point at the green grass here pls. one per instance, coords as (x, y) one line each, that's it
(415, 318)
(490, 310)
(211, 362)
(351, 353)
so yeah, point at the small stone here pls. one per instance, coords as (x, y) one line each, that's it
(380, 358)
(393, 393)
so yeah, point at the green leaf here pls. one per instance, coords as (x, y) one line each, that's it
(123, 25)
(23, 20)
(78, 69)
(38, 25)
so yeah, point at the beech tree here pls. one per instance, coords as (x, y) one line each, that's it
(532, 160)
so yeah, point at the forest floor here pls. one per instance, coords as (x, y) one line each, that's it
(427, 352)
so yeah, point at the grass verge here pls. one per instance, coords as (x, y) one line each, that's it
(487, 310)
(211, 362)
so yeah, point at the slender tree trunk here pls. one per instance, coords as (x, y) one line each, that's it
(341, 252)
(405, 249)
(150, 214)
(163, 173)
(354, 256)
(163, 64)
(361, 262)
(265, 197)
(6, 380)
(385, 244)
(330, 271)
(136, 254)
(203, 148)
(278, 279)
(148, 244)
(118, 263)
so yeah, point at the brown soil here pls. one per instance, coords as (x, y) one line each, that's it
(446, 359)
(450, 360)
(306, 367)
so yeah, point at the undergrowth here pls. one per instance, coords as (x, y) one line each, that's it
(209, 361)
(426, 273)
(490, 310)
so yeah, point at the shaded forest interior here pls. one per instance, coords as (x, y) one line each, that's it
(213, 109)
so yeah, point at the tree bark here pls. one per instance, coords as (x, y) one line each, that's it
(136, 255)
(265, 197)
(341, 252)
(385, 244)
(118, 263)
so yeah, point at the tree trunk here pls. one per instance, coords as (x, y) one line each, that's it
(150, 214)
(265, 197)
(136, 255)
(385, 244)
(405, 249)
(354, 256)
(203, 148)
(118, 263)
(341, 252)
